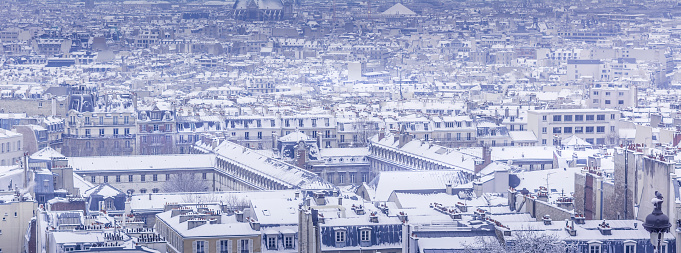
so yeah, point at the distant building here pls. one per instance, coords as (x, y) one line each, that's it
(11, 147)
(596, 126)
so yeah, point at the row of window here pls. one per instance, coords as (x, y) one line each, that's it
(607, 93)
(126, 120)
(143, 178)
(364, 235)
(607, 101)
(7, 147)
(225, 246)
(88, 132)
(578, 130)
(578, 117)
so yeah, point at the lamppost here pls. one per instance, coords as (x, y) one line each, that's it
(657, 223)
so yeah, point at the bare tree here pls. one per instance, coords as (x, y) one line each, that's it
(524, 241)
(185, 182)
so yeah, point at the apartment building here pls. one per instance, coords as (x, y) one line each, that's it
(156, 130)
(99, 129)
(11, 149)
(313, 125)
(206, 228)
(596, 126)
(17, 212)
(612, 97)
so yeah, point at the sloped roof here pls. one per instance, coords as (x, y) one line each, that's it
(46, 154)
(398, 9)
(574, 141)
(104, 190)
(262, 4)
(389, 181)
(294, 137)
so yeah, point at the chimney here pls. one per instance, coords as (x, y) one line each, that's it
(604, 228)
(547, 219)
(511, 198)
(195, 223)
(486, 158)
(403, 217)
(239, 216)
(319, 198)
(381, 134)
(449, 189)
(255, 225)
(373, 217)
(477, 188)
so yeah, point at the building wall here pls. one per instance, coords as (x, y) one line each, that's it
(545, 125)
(538, 209)
(99, 134)
(13, 224)
(149, 184)
(11, 147)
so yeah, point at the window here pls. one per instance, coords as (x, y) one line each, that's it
(607, 102)
(612, 116)
(543, 141)
(200, 246)
(155, 190)
(589, 118)
(595, 248)
(106, 179)
(600, 129)
(245, 246)
(556, 117)
(115, 132)
(143, 178)
(629, 246)
(579, 130)
(365, 235)
(271, 242)
(126, 131)
(600, 117)
(154, 177)
(567, 117)
(607, 93)
(589, 130)
(543, 117)
(595, 101)
(204, 176)
(87, 132)
(225, 246)
(118, 178)
(567, 130)
(129, 178)
(288, 242)
(340, 236)
(620, 102)
(93, 179)
(143, 190)
(595, 92)
(579, 117)
(167, 177)
(101, 132)
(126, 120)
(556, 130)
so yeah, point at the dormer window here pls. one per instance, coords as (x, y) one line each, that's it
(595, 246)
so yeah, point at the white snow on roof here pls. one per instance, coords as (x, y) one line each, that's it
(278, 171)
(151, 162)
(398, 9)
(329, 152)
(388, 181)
